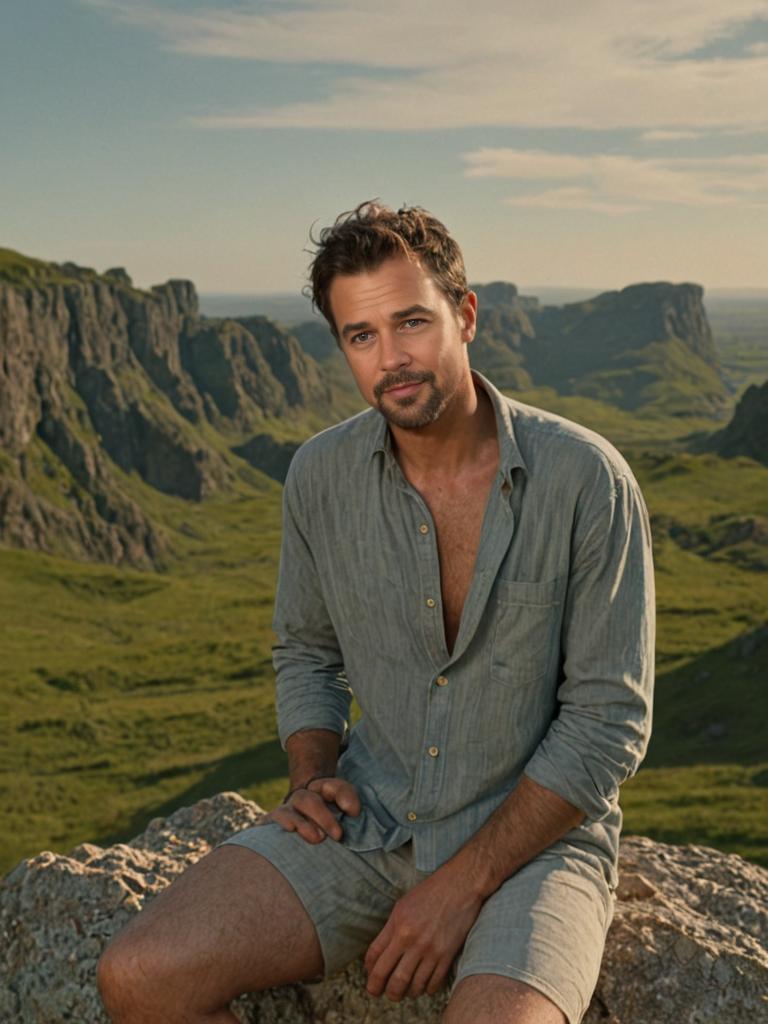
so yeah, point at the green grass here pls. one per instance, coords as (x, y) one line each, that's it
(123, 693)
(27, 272)
(740, 328)
(126, 694)
(722, 805)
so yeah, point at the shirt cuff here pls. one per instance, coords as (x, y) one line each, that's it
(582, 783)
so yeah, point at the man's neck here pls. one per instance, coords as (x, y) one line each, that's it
(465, 428)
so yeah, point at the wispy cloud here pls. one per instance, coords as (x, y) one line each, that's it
(557, 64)
(617, 184)
(669, 135)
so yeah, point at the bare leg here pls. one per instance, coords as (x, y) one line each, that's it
(229, 924)
(493, 999)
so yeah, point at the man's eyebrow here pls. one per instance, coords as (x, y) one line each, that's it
(399, 314)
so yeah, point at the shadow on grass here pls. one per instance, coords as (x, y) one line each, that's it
(261, 763)
(712, 709)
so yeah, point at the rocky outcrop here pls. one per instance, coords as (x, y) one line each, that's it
(503, 325)
(270, 456)
(747, 433)
(97, 376)
(648, 345)
(688, 942)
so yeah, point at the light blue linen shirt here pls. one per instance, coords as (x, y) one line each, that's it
(551, 673)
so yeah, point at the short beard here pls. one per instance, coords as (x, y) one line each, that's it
(401, 415)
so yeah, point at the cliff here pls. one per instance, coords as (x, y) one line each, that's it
(648, 345)
(747, 432)
(688, 942)
(100, 381)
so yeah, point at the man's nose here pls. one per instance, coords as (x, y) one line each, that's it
(393, 351)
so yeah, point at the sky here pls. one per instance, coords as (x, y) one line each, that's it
(591, 144)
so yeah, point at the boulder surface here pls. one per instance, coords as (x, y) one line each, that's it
(688, 943)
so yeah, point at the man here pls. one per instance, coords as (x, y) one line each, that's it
(478, 573)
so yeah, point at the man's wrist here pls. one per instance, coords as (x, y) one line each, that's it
(472, 872)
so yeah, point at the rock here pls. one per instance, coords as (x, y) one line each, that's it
(643, 346)
(747, 433)
(120, 275)
(687, 943)
(270, 456)
(98, 377)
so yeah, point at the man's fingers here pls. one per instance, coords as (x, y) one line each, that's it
(400, 978)
(379, 974)
(312, 806)
(439, 975)
(421, 978)
(337, 791)
(376, 948)
(291, 821)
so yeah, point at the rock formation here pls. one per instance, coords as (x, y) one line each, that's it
(747, 433)
(688, 942)
(99, 379)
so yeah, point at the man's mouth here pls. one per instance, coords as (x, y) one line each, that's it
(404, 389)
(399, 388)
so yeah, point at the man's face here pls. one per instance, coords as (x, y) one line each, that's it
(404, 341)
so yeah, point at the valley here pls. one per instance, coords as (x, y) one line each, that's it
(135, 675)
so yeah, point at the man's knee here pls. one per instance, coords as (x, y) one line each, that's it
(125, 976)
(494, 999)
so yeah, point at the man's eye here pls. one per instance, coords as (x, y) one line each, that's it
(362, 337)
(414, 321)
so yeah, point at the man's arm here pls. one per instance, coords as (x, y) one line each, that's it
(313, 696)
(595, 742)
(311, 689)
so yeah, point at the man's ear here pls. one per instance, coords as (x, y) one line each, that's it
(468, 315)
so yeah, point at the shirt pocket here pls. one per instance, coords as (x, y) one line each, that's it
(526, 634)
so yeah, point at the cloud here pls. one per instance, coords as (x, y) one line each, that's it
(439, 65)
(667, 135)
(574, 198)
(617, 184)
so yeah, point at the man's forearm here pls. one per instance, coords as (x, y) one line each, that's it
(312, 754)
(530, 819)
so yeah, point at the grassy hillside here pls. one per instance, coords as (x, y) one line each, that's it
(126, 694)
(740, 326)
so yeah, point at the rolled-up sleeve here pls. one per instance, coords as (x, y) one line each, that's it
(603, 724)
(312, 692)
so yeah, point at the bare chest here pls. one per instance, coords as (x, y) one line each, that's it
(458, 517)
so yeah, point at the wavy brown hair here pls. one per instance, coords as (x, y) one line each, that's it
(362, 239)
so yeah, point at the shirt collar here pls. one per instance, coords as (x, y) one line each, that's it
(510, 456)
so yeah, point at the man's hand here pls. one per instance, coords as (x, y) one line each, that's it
(414, 951)
(313, 810)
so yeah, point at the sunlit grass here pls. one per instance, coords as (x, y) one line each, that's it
(125, 694)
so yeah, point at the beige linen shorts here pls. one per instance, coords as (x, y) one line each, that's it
(545, 926)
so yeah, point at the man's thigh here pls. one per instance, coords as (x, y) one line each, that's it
(348, 896)
(545, 926)
(229, 924)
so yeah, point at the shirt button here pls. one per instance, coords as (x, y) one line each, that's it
(411, 816)
(430, 602)
(441, 681)
(433, 751)
(423, 528)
